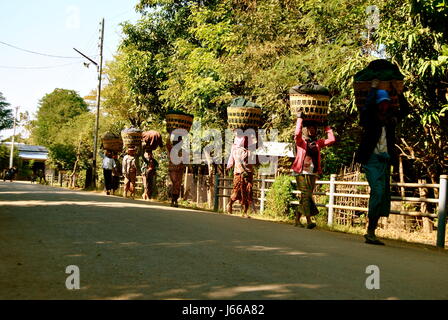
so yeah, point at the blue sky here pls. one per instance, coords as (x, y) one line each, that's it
(55, 27)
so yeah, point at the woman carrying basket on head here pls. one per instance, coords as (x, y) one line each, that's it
(307, 166)
(130, 172)
(243, 174)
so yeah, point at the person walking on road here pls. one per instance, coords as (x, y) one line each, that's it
(176, 171)
(376, 152)
(151, 141)
(130, 172)
(10, 174)
(242, 174)
(307, 166)
(108, 167)
(116, 174)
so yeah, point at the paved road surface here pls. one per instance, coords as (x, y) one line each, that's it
(128, 249)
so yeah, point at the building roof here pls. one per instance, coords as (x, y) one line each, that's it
(29, 152)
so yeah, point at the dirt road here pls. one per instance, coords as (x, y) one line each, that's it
(128, 249)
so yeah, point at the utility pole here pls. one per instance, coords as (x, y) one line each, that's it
(99, 67)
(98, 98)
(12, 140)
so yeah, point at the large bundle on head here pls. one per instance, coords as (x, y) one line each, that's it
(176, 119)
(311, 99)
(384, 71)
(243, 114)
(112, 142)
(132, 137)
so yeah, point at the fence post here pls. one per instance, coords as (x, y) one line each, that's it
(263, 193)
(331, 200)
(216, 193)
(441, 227)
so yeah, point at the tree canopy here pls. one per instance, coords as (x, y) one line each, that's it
(54, 111)
(6, 115)
(198, 55)
(63, 125)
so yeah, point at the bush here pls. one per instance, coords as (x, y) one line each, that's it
(279, 197)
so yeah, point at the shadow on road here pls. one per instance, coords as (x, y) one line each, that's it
(137, 250)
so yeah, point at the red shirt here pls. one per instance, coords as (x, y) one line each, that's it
(301, 146)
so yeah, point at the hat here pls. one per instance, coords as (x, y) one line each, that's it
(382, 95)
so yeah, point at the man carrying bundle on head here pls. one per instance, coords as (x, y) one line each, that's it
(379, 97)
(376, 151)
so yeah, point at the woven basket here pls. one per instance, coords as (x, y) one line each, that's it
(132, 139)
(313, 106)
(362, 89)
(178, 121)
(112, 144)
(243, 117)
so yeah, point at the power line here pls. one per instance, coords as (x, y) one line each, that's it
(38, 67)
(34, 52)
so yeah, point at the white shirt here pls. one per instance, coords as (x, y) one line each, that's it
(381, 146)
(108, 163)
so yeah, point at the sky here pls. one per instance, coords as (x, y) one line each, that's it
(55, 27)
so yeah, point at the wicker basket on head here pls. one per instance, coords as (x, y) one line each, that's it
(112, 142)
(244, 117)
(312, 100)
(362, 89)
(132, 137)
(243, 114)
(178, 120)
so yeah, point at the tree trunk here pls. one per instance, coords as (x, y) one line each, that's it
(72, 175)
(75, 167)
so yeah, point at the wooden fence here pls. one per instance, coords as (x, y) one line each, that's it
(222, 186)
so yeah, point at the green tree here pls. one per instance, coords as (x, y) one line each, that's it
(55, 110)
(416, 38)
(6, 115)
(198, 55)
(5, 153)
(65, 126)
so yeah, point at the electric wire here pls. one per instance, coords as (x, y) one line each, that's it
(38, 67)
(38, 53)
